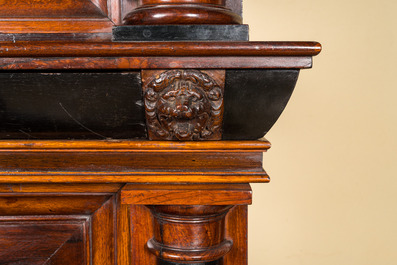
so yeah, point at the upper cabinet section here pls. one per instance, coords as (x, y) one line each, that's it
(59, 16)
(99, 16)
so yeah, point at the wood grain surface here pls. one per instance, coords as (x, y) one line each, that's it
(43, 241)
(187, 234)
(183, 194)
(132, 161)
(237, 230)
(152, 49)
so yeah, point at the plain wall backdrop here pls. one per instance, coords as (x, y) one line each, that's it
(332, 199)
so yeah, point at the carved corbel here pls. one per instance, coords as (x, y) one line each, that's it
(184, 104)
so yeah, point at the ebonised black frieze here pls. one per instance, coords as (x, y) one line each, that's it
(71, 105)
(110, 105)
(254, 100)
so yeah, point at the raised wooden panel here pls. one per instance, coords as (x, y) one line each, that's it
(44, 241)
(66, 228)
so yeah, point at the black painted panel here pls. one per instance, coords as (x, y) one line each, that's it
(181, 33)
(254, 100)
(71, 105)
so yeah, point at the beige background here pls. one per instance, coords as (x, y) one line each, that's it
(333, 195)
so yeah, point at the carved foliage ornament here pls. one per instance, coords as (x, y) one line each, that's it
(183, 105)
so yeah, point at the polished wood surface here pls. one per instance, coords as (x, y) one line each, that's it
(126, 225)
(37, 241)
(64, 187)
(237, 229)
(57, 227)
(156, 55)
(176, 12)
(142, 229)
(161, 196)
(134, 146)
(132, 161)
(189, 220)
(193, 194)
(86, 222)
(189, 233)
(153, 49)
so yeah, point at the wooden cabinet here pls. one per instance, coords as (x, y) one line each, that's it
(129, 129)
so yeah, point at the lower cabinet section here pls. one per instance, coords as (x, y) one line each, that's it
(102, 224)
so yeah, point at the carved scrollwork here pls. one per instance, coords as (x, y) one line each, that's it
(183, 105)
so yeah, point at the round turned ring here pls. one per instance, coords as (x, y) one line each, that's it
(182, 12)
(189, 233)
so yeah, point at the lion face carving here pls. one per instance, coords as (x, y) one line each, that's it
(183, 105)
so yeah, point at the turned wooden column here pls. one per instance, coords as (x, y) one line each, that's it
(190, 223)
(194, 234)
(177, 12)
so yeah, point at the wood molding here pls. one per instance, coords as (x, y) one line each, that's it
(155, 49)
(132, 161)
(131, 146)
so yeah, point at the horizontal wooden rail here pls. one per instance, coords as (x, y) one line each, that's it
(106, 49)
